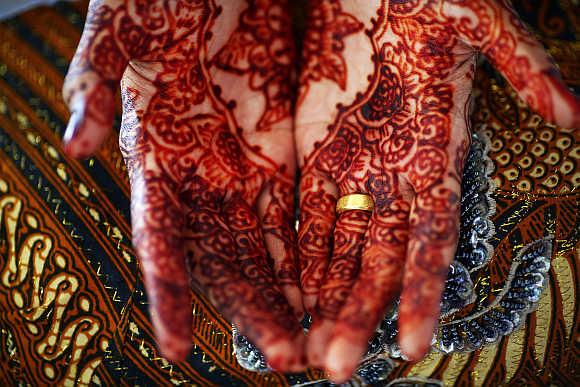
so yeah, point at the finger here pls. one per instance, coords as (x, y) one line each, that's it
(433, 235)
(253, 258)
(377, 286)
(158, 238)
(495, 28)
(349, 233)
(92, 79)
(276, 209)
(317, 215)
(238, 291)
(92, 114)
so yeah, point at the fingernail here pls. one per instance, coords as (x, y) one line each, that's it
(70, 135)
(72, 127)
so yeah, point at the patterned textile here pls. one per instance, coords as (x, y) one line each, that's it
(72, 303)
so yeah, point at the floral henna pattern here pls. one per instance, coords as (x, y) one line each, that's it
(323, 44)
(345, 266)
(211, 200)
(261, 47)
(498, 32)
(279, 233)
(401, 139)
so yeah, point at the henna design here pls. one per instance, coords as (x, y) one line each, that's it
(401, 139)
(344, 267)
(278, 228)
(314, 238)
(209, 206)
(262, 48)
(328, 25)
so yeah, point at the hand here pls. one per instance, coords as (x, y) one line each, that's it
(383, 110)
(207, 139)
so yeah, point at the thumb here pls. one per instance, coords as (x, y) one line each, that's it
(91, 82)
(495, 28)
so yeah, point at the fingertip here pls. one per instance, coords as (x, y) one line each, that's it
(299, 362)
(342, 359)
(175, 350)
(69, 149)
(79, 150)
(567, 106)
(319, 337)
(174, 340)
(285, 355)
(82, 139)
(277, 362)
(415, 337)
(171, 318)
(92, 116)
(413, 349)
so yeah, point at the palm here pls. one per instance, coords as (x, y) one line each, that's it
(206, 144)
(396, 130)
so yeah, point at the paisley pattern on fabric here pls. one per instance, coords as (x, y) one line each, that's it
(72, 303)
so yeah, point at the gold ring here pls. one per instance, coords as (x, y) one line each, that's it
(355, 201)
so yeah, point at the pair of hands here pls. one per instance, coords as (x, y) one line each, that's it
(208, 136)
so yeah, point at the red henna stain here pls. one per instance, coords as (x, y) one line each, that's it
(262, 48)
(323, 44)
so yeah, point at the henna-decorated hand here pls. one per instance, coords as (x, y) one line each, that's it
(395, 126)
(207, 139)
